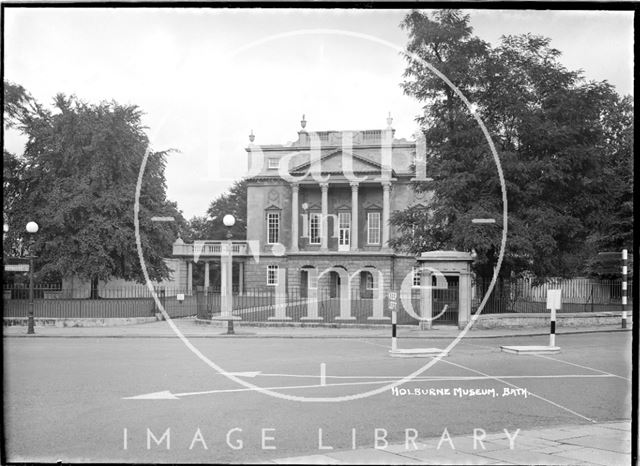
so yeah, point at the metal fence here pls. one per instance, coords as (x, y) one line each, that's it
(368, 307)
(524, 295)
(134, 301)
(263, 305)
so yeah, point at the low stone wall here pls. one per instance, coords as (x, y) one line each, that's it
(106, 322)
(276, 324)
(540, 320)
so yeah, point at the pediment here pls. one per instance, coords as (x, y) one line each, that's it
(371, 205)
(334, 163)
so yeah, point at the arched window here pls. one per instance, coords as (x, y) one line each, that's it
(366, 284)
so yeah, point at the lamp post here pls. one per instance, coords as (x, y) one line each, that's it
(32, 229)
(227, 274)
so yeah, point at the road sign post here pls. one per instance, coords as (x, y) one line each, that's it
(554, 304)
(394, 319)
(411, 352)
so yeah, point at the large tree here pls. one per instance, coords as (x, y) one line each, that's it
(78, 178)
(211, 227)
(553, 131)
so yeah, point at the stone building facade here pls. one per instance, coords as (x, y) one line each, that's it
(318, 213)
(323, 203)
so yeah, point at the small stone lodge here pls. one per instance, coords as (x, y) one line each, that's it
(286, 238)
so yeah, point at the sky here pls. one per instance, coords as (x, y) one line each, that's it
(206, 78)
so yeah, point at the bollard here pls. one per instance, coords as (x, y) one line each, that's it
(394, 321)
(552, 334)
(624, 288)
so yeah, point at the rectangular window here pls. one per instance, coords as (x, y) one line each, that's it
(272, 275)
(273, 227)
(314, 228)
(272, 163)
(373, 227)
(416, 275)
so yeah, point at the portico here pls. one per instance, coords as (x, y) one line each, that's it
(335, 209)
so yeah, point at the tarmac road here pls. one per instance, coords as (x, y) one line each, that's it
(65, 398)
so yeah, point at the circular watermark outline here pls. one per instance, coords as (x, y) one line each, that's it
(435, 359)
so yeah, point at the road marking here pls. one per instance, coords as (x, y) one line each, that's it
(244, 374)
(167, 395)
(483, 220)
(445, 377)
(515, 386)
(162, 219)
(323, 374)
(584, 367)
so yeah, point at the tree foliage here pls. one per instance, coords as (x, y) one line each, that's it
(77, 179)
(564, 143)
(210, 227)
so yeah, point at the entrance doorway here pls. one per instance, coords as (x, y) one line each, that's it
(344, 231)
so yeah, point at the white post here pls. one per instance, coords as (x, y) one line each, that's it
(394, 321)
(552, 334)
(624, 288)
(554, 303)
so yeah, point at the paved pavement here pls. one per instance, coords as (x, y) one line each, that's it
(606, 444)
(190, 329)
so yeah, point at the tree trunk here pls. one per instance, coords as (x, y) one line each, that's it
(94, 288)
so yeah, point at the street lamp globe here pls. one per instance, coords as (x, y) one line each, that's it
(32, 227)
(229, 220)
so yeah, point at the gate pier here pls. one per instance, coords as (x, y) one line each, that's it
(451, 264)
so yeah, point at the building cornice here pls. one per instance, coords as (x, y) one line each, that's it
(277, 148)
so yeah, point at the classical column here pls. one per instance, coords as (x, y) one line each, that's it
(189, 277)
(386, 207)
(206, 274)
(294, 217)
(241, 278)
(354, 215)
(324, 222)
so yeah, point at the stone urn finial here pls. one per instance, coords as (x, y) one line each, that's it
(252, 136)
(389, 120)
(303, 122)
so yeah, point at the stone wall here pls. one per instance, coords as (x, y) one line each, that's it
(542, 320)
